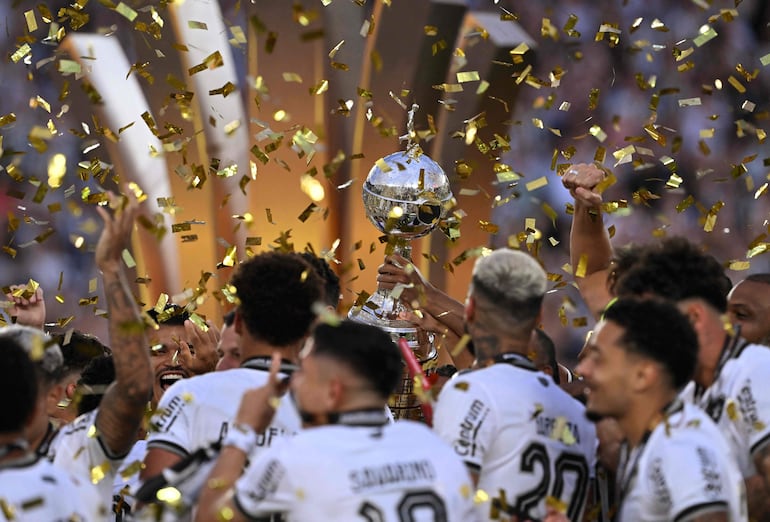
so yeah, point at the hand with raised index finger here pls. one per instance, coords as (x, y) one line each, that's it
(258, 405)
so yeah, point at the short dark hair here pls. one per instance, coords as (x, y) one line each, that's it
(78, 349)
(677, 270)
(172, 315)
(18, 384)
(656, 329)
(93, 382)
(331, 281)
(276, 293)
(229, 318)
(623, 259)
(367, 350)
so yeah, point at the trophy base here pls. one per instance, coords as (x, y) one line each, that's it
(404, 403)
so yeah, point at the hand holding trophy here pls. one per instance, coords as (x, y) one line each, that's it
(405, 196)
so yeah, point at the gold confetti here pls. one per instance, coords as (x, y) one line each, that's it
(20, 53)
(470, 76)
(707, 33)
(99, 472)
(132, 469)
(739, 265)
(128, 259)
(29, 16)
(582, 266)
(126, 11)
(169, 495)
(732, 410)
(537, 183)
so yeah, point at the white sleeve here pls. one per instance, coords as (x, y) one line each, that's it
(697, 478)
(752, 402)
(171, 423)
(464, 419)
(264, 487)
(79, 450)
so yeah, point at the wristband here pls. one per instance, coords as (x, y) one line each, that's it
(241, 436)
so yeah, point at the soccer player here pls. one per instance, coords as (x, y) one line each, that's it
(675, 464)
(94, 445)
(179, 348)
(276, 293)
(522, 436)
(31, 488)
(349, 463)
(730, 379)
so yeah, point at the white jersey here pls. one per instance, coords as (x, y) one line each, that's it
(373, 471)
(684, 468)
(78, 449)
(523, 435)
(739, 402)
(35, 490)
(127, 478)
(196, 412)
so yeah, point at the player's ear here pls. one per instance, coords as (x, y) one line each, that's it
(69, 391)
(335, 393)
(646, 375)
(470, 308)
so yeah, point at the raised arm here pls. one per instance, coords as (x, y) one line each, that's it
(123, 406)
(589, 239)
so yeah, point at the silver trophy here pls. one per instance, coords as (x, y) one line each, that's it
(405, 196)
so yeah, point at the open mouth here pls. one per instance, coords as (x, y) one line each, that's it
(168, 378)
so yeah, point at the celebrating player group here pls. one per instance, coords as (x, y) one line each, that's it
(283, 414)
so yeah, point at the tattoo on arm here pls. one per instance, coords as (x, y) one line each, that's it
(123, 406)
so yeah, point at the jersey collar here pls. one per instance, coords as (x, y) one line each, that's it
(515, 359)
(263, 363)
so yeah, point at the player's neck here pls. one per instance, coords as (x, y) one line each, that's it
(712, 341)
(645, 415)
(489, 345)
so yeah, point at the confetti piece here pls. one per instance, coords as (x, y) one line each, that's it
(537, 183)
(739, 265)
(126, 11)
(705, 36)
(471, 76)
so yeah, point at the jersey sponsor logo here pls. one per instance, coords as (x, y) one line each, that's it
(388, 474)
(165, 418)
(748, 405)
(658, 482)
(465, 445)
(553, 428)
(712, 480)
(267, 484)
(264, 439)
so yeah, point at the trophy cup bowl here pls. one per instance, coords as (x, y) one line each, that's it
(405, 196)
